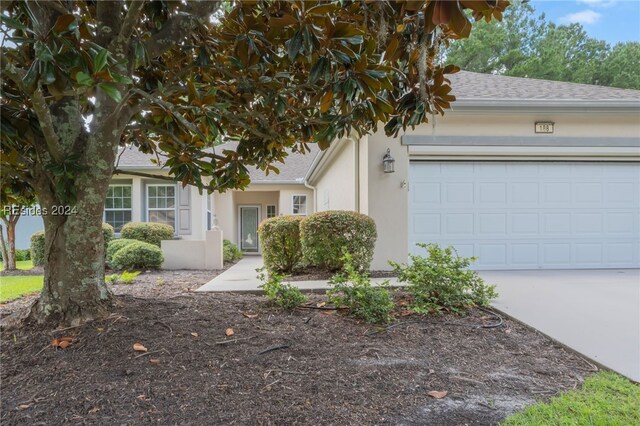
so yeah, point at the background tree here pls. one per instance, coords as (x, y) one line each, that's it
(524, 44)
(15, 195)
(81, 78)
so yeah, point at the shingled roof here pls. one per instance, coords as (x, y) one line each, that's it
(293, 170)
(471, 86)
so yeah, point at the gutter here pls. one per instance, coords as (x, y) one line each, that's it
(567, 105)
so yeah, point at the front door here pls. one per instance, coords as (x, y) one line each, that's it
(249, 220)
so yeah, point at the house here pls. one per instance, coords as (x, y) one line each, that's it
(522, 173)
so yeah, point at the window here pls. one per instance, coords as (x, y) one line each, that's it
(117, 206)
(300, 204)
(161, 204)
(271, 211)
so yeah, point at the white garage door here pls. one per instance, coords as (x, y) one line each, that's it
(526, 215)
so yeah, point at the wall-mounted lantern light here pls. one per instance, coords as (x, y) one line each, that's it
(387, 162)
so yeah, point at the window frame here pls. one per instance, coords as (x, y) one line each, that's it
(275, 211)
(121, 209)
(174, 208)
(293, 205)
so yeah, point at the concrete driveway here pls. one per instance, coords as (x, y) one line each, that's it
(595, 312)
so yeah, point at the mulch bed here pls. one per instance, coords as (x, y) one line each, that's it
(36, 270)
(309, 367)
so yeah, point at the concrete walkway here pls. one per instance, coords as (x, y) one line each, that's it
(241, 278)
(595, 312)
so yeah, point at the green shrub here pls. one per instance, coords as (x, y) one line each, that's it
(108, 233)
(23, 254)
(443, 281)
(138, 255)
(37, 248)
(287, 296)
(326, 235)
(230, 252)
(352, 289)
(281, 246)
(149, 232)
(116, 245)
(123, 278)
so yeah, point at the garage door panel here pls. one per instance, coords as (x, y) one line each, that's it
(515, 215)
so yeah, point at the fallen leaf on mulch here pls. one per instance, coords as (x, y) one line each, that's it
(229, 332)
(194, 334)
(250, 316)
(437, 394)
(328, 312)
(94, 410)
(23, 406)
(154, 360)
(139, 347)
(62, 342)
(321, 304)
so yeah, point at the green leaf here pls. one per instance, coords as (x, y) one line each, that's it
(84, 78)
(119, 78)
(111, 90)
(31, 77)
(318, 70)
(13, 23)
(101, 60)
(42, 52)
(295, 44)
(49, 76)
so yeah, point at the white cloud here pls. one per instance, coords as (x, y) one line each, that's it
(585, 17)
(598, 3)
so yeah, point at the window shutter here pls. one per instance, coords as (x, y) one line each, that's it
(184, 210)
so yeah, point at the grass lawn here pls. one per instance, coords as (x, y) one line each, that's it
(20, 264)
(604, 399)
(12, 287)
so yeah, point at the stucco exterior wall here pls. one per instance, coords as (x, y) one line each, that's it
(336, 185)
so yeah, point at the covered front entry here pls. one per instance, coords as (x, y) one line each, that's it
(248, 221)
(529, 215)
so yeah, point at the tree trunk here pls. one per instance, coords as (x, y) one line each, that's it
(74, 289)
(10, 263)
(3, 245)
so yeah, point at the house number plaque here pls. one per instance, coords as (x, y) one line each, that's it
(544, 127)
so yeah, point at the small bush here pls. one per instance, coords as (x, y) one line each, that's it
(23, 254)
(326, 235)
(353, 290)
(124, 278)
(116, 245)
(443, 281)
(230, 252)
(149, 232)
(281, 246)
(138, 255)
(287, 296)
(108, 233)
(37, 248)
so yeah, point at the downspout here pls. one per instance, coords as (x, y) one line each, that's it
(315, 194)
(356, 166)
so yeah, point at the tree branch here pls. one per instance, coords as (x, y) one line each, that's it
(11, 71)
(180, 26)
(148, 175)
(46, 124)
(128, 25)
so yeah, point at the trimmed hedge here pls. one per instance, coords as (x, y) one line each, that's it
(37, 243)
(137, 255)
(107, 233)
(116, 245)
(37, 248)
(281, 246)
(149, 232)
(327, 235)
(230, 251)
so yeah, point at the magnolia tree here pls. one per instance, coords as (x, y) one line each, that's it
(82, 78)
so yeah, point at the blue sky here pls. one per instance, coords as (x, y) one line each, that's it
(610, 20)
